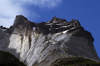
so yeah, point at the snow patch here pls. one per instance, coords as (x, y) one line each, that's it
(65, 31)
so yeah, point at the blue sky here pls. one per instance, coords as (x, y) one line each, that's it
(86, 11)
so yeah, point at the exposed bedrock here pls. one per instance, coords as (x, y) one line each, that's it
(40, 44)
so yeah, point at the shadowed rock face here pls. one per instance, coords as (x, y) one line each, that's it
(40, 44)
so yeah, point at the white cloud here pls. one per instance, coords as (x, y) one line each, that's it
(8, 11)
(10, 8)
(43, 3)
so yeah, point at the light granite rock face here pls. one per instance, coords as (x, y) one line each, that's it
(40, 44)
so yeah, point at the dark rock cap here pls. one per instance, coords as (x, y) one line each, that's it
(55, 25)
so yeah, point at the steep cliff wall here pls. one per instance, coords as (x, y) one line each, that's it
(40, 44)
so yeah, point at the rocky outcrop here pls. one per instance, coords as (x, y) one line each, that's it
(40, 44)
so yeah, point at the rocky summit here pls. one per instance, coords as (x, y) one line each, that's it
(41, 44)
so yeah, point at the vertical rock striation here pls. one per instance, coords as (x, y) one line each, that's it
(40, 44)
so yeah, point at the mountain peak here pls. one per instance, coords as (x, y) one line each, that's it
(56, 25)
(40, 44)
(20, 20)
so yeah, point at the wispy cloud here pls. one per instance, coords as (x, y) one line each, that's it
(43, 3)
(10, 8)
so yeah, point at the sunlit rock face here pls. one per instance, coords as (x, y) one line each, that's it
(40, 44)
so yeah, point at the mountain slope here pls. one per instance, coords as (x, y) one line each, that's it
(43, 43)
(75, 61)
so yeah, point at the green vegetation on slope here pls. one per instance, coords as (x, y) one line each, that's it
(76, 61)
(7, 59)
